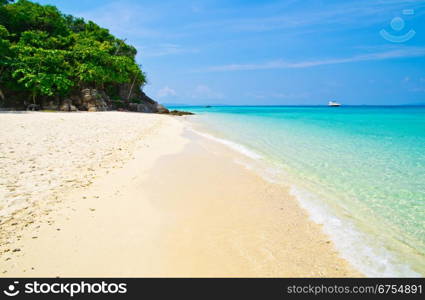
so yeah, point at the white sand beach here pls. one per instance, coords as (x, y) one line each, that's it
(128, 194)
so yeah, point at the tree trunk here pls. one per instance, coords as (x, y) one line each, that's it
(131, 89)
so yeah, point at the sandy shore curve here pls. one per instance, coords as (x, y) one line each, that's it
(130, 195)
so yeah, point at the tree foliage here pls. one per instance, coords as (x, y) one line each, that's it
(46, 53)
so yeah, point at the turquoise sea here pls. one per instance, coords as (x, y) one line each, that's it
(358, 170)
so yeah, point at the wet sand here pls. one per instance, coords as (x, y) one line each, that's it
(178, 205)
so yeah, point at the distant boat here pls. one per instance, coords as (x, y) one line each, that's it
(333, 103)
(207, 106)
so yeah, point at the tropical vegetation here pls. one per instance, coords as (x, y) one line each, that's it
(45, 54)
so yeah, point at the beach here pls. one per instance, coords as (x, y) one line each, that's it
(356, 170)
(133, 195)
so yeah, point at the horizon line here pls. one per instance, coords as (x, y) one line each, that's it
(320, 105)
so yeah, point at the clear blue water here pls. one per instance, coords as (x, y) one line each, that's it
(366, 165)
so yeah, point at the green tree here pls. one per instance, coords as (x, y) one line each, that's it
(43, 52)
(4, 46)
(41, 71)
(5, 57)
(26, 15)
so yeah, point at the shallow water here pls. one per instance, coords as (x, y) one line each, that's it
(359, 170)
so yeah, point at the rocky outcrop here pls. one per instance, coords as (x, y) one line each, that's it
(148, 108)
(161, 109)
(139, 107)
(50, 105)
(67, 105)
(89, 99)
(146, 104)
(180, 113)
(92, 100)
(127, 92)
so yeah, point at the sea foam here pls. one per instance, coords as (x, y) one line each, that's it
(232, 145)
(352, 244)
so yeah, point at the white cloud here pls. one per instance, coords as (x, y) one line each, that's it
(166, 92)
(352, 13)
(204, 92)
(281, 64)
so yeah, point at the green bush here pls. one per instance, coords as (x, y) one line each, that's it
(46, 53)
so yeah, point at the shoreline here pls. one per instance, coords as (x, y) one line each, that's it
(180, 206)
(357, 247)
(356, 242)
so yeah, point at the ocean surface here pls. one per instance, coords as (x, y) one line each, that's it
(359, 171)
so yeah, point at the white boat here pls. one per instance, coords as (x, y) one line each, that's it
(333, 103)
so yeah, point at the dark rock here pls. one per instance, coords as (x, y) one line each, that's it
(50, 104)
(127, 93)
(161, 109)
(67, 105)
(76, 100)
(126, 97)
(92, 100)
(141, 107)
(33, 107)
(142, 103)
(180, 113)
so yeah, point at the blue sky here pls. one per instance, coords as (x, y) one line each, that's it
(271, 52)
